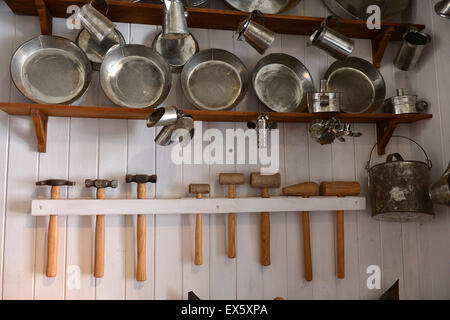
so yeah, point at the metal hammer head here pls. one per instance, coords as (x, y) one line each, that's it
(306, 189)
(231, 178)
(258, 180)
(199, 188)
(101, 183)
(140, 178)
(55, 183)
(340, 188)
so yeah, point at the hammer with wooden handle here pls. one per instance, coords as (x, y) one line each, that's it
(305, 190)
(141, 180)
(340, 189)
(258, 180)
(231, 179)
(99, 257)
(198, 189)
(52, 237)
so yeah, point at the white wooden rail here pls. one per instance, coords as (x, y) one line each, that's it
(82, 207)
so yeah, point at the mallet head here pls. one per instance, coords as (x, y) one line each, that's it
(306, 189)
(258, 180)
(55, 183)
(340, 188)
(140, 178)
(199, 188)
(101, 183)
(231, 178)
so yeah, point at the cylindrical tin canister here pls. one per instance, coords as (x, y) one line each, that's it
(95, 23)
(411, 49)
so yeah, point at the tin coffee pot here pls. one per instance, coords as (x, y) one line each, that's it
(98, 25)
(255, 34)
(334, 43)
(174, 24)
(440, 190)
(411, 49)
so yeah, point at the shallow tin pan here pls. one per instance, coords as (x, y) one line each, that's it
(50, 69)
(357, 9)
(135, 76)
(361, 85)
(282, 83)
(265, 6)
(214, 79)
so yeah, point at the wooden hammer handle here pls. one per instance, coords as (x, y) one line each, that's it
(141, 268)
(340, 244)
(307, 246)
(99, 256)
(198, 255)
(265, 238)
(231, 225)
(52, 239)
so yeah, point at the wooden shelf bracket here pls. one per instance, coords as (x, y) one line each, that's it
(45, 17)
(40, 121)
(379, 45)
(385, 130)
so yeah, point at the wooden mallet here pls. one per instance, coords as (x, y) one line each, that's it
(231, 179)
(340, 189)
(198, 190)
(305, 190)
(53, 234)
(258, 180)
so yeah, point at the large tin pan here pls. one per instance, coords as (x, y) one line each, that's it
(282, 82)
(357, 9)
(265, 6)
(214, 79)
(50, 69)
(135, 76)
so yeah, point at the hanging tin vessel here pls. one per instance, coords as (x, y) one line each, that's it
(255, 34)
(399, 189)
(403, 104)
(98, 25)
(174, 24)
(440, 190)
(411, 49)
(324, 101)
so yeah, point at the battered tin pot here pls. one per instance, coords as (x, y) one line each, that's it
(402, 103)
(399, 189)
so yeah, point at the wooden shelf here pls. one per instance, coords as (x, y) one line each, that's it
(386, 123)
(142, 13)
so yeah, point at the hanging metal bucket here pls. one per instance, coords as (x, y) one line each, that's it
(399, 189)
(440, 190)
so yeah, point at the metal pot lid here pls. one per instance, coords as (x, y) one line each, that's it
(51, 69)
(95, 51)
(401, 97)
(177, 52)
(265, 6)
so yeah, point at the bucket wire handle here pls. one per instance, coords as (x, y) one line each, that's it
(429, 163)
(331, 17)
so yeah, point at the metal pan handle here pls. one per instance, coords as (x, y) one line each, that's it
(429, 163)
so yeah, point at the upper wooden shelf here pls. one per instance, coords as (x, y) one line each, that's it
(386, 123)
(142, 13)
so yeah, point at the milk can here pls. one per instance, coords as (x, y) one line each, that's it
(399, 188)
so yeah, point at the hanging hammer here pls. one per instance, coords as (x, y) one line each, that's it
(258, 180)
(231, 179)
(53, 230)
(198, 189)
(99, 257)
(340, 189)
(141, 180)
(305, 190)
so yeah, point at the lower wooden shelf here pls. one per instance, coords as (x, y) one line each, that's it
(386, 123)
(80, 207)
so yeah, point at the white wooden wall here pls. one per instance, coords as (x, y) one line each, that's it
(418, 255)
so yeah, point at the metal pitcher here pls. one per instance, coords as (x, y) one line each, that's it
(411, 49)
(440, 190)
(99, 26)
(174, 20)
(334, 43)
(255, 34)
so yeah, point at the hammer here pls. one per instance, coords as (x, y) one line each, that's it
(52, 237)
(305, 190)
(231, 179)
(141, 180)
(340, 189)
(198, 189)
(99, 262)
(265, 182)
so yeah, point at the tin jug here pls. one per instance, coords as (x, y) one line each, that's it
(411, 49)
(440, 190)
(255, 34)
(99, 26)
(174, 20)
(399, 189)
(334, 43)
